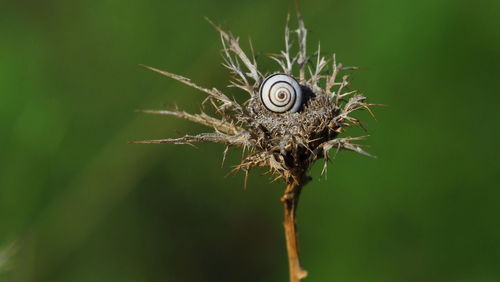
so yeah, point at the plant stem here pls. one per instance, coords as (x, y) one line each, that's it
(290, 200)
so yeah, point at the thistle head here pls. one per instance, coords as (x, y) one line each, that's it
(292, 116)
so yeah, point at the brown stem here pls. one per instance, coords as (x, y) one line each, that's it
(290, 200)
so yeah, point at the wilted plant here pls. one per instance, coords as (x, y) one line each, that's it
(289, 120)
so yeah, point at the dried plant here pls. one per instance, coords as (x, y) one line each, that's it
(286, 143)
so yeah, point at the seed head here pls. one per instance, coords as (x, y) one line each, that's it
(286, 142)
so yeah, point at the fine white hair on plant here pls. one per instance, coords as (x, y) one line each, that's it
(288, 142)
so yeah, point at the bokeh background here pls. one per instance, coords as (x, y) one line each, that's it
(83, 205)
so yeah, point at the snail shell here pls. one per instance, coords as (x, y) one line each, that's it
(280, 93)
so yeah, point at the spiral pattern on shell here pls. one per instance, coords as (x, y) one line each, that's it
(280, 93)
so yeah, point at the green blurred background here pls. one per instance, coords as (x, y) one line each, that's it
(83, 205)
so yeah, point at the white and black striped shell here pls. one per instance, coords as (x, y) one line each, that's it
(280, 93)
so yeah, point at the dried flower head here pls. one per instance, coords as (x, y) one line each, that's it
(287, 143)
(312, 106)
